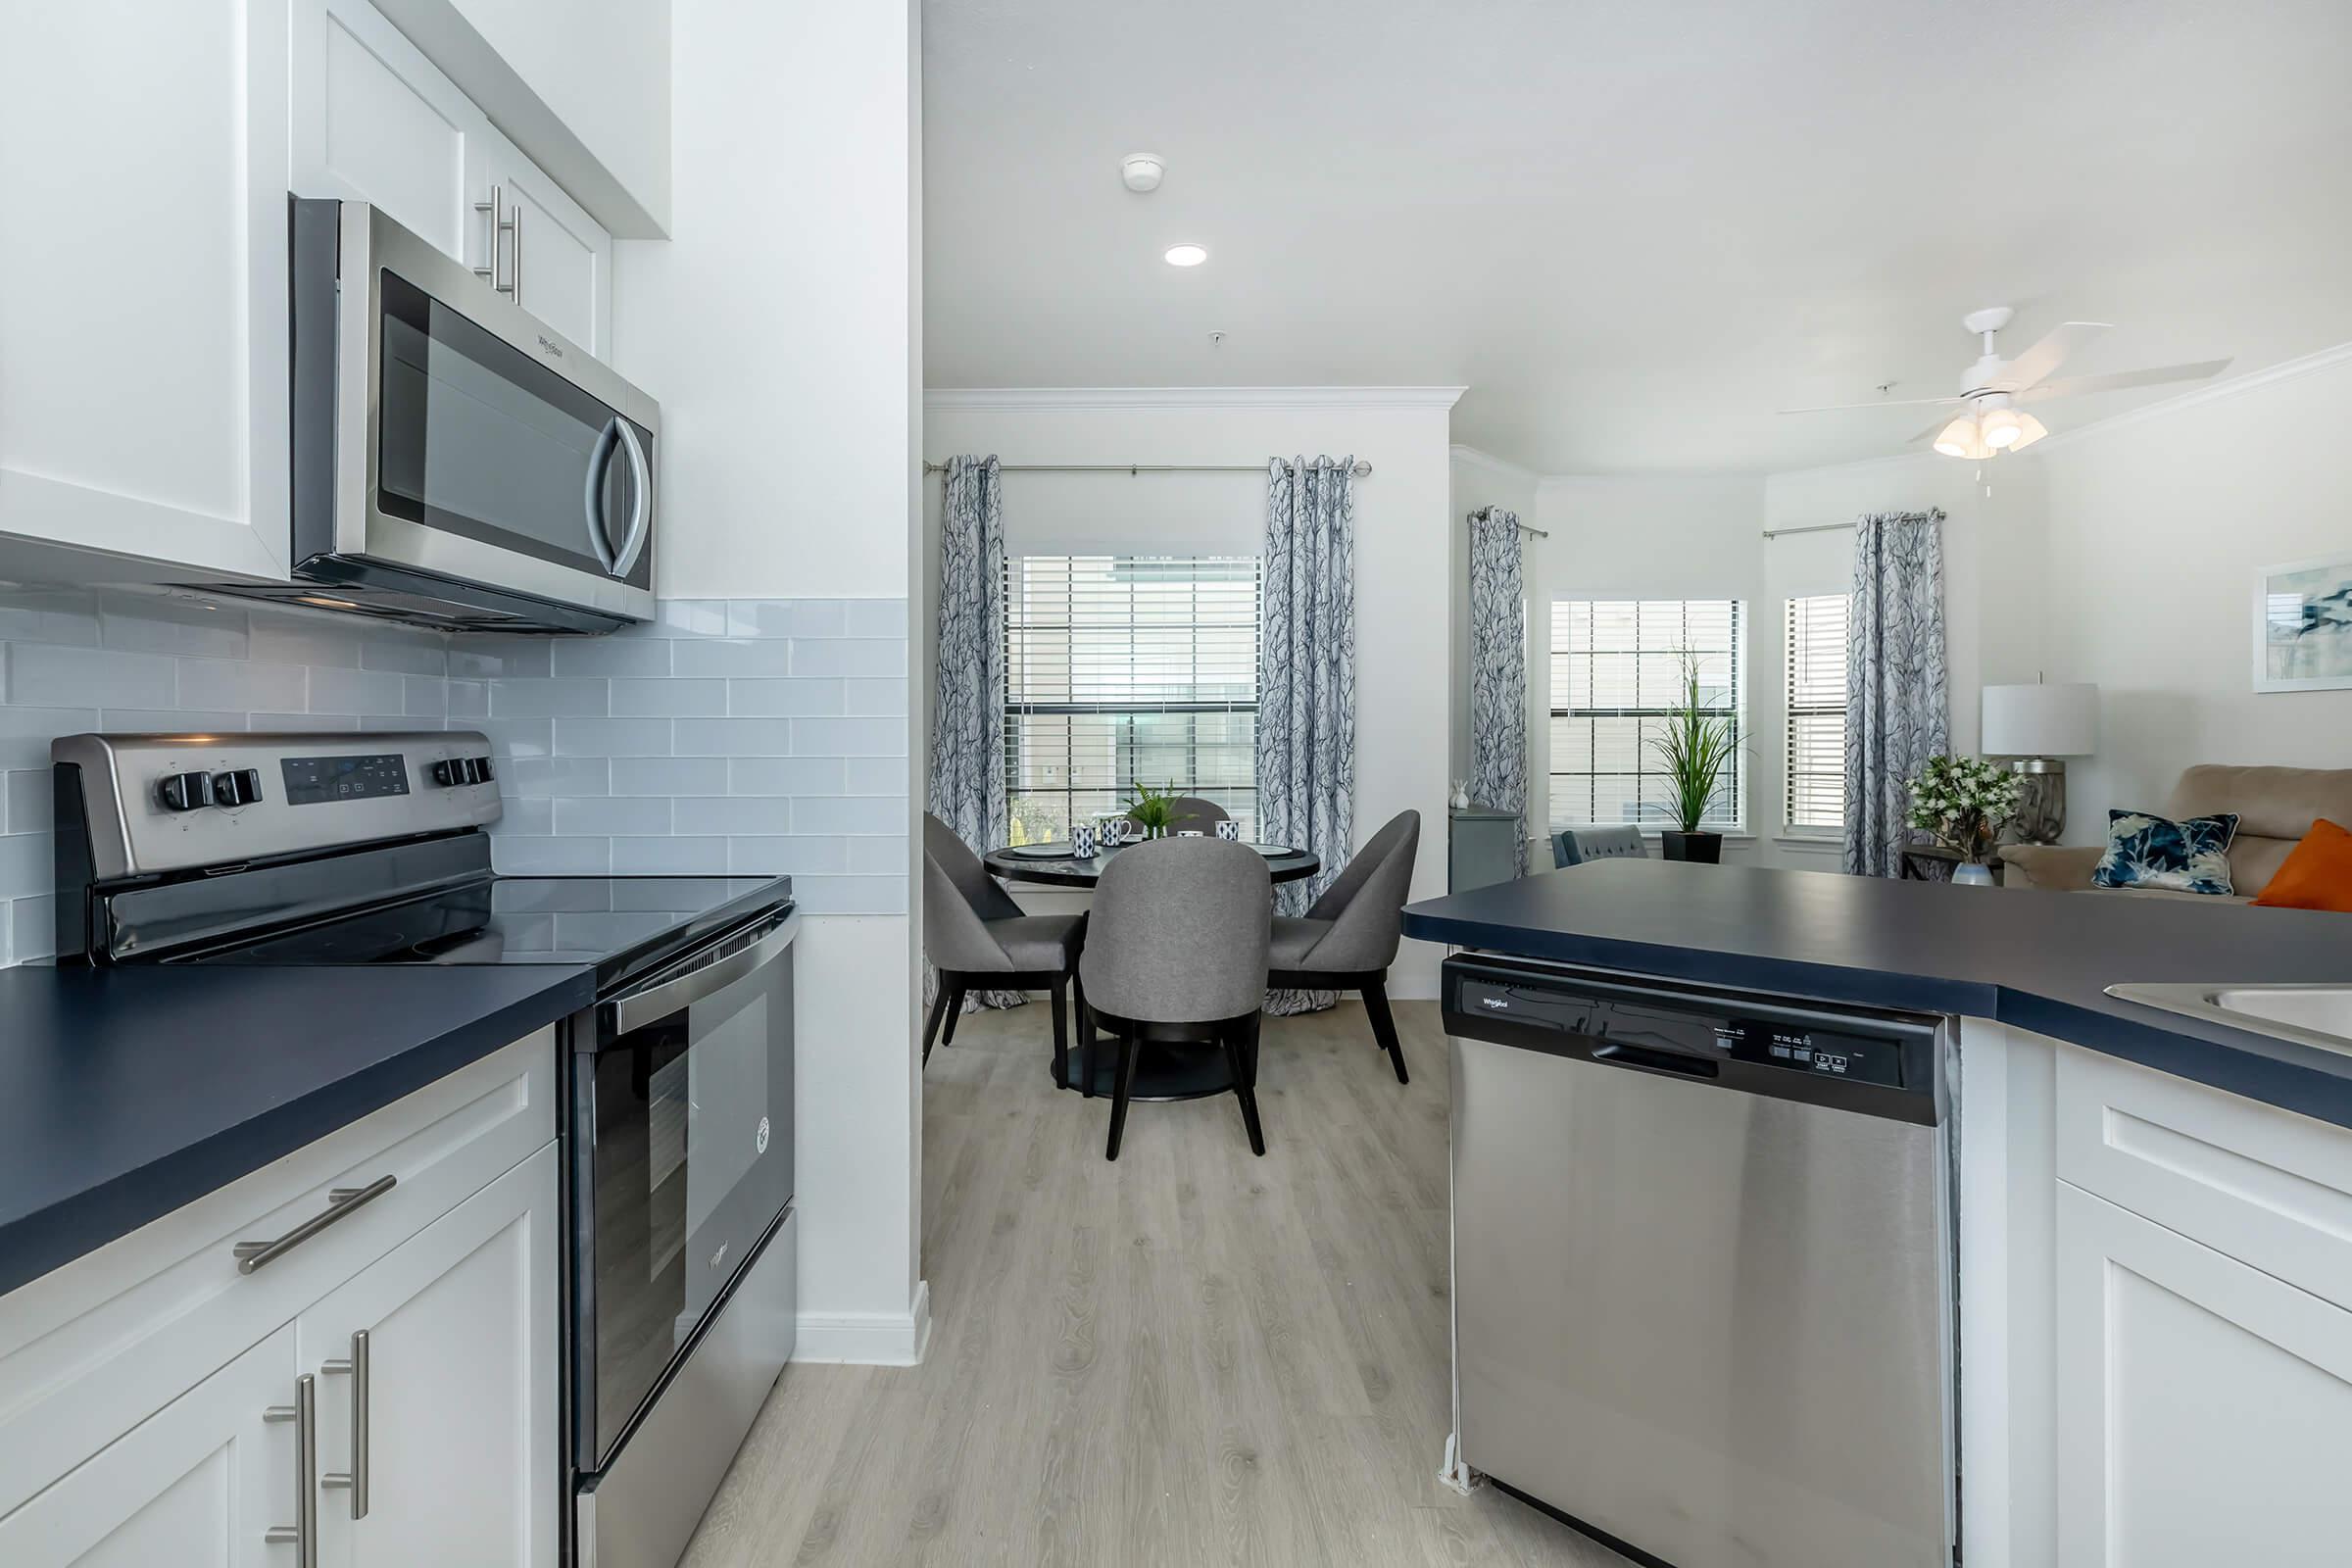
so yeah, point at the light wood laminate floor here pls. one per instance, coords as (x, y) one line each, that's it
(1191, 1357)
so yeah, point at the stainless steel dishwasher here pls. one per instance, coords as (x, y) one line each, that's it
(1705, 1276)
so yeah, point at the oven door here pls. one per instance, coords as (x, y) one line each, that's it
(478, 444)
(681, 1124)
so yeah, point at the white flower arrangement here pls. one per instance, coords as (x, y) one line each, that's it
(1963, 801)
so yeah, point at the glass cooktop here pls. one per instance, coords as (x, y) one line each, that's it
(604, 921)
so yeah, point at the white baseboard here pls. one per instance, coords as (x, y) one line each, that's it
(867, 1339)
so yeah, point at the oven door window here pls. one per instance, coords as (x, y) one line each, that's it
(478, 438)
(692, 1161)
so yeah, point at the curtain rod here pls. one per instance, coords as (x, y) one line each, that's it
(1819, 527)
(1524, 527)
(1361, 470)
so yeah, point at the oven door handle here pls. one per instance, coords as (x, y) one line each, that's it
(634, 1010)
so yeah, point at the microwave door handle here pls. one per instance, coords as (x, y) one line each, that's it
(592, 491)
(637, 1009)
(641, 516)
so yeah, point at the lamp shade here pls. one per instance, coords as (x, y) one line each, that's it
(2061, 720)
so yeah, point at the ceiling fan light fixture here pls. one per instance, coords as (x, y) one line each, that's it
(1962, 439)
(2029, 431)
(2001, 428)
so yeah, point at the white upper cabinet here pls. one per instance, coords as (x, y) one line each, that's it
(374, 121)
(143, 315)
(143, 333)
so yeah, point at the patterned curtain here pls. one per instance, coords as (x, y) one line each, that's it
(1307, 689)
(1498, 668)
(1898, 711)
(967, 714)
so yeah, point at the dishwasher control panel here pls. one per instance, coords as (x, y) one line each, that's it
(1699, 1033)
(1827, 1052)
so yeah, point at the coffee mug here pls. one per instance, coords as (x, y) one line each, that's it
(1229, 830)
(1082, 841)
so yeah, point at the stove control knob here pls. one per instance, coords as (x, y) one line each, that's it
(456, 770)
(184, 792)
(242, 787)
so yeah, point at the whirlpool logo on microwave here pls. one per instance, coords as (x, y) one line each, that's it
(556, 349)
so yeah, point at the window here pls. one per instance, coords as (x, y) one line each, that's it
(1127, 668)
(1817, 711)
(1616, 674)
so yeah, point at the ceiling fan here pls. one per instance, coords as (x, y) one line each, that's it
(1991, 422)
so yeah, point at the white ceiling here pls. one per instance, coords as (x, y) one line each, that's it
(1634, 228)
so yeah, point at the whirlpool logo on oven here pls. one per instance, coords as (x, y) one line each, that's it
(1498, 1004)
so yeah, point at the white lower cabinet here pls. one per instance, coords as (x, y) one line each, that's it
(198, 1485)
(2204, 1407)
(452, 1435)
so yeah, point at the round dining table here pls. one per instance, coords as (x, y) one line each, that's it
(1164, 1069)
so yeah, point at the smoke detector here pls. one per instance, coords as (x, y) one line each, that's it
(1142, 171)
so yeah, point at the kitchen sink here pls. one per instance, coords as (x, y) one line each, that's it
(2310, 1014)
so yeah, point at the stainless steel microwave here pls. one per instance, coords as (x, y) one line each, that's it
(456, 461)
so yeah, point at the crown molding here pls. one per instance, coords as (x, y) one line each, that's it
(1071, 399)
(2197, 397)
(1492, 464)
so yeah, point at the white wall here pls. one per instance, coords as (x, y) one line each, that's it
(1401, 524)
(582, 88)
(780, 330)
(2158, 524)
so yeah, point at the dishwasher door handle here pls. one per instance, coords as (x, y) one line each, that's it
(1643, 1058)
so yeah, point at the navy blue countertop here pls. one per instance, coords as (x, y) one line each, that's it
(126, 1093)
(2028, 956)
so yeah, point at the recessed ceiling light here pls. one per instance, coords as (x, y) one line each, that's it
(1186, 255)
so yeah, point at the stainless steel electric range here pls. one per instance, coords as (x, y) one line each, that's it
(373, 847)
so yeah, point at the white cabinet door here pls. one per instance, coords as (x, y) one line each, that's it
(2204, 1408)
(560, 259)
(461, 1451)
(198, 1485)
(143, 333)
(374, 121)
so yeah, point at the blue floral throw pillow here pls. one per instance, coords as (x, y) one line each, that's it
(2145, 851)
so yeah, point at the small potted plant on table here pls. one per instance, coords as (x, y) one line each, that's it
(1694, 750)
(1962, 802)
(1153, 809)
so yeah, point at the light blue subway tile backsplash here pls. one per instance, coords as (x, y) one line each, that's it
(707, 745)
(672, 776)
(744, 735)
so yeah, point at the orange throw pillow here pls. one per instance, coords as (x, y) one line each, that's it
(2318, 873)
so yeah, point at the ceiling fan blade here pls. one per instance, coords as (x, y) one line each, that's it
(1883, 403)
(2038, 361)
(2076, 385)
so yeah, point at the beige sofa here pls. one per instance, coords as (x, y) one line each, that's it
(2275, 805)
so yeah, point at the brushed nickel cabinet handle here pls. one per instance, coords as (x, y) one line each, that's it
(340, 1203)
(356, 1478)
(303, 1534)
(499, 227)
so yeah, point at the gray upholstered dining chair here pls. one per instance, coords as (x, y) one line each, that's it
(1190, 813)
(1349, 939)
(1574, 846)
(977, 938)
(1176, 950)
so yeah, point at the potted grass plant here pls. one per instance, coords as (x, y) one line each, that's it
(1695, 749)
(1153, 809)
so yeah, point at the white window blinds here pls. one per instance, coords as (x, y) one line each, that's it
(1616, 674)
(1127, 668)
(1816, 644)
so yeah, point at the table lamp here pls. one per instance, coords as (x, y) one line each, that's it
(2036, 726)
